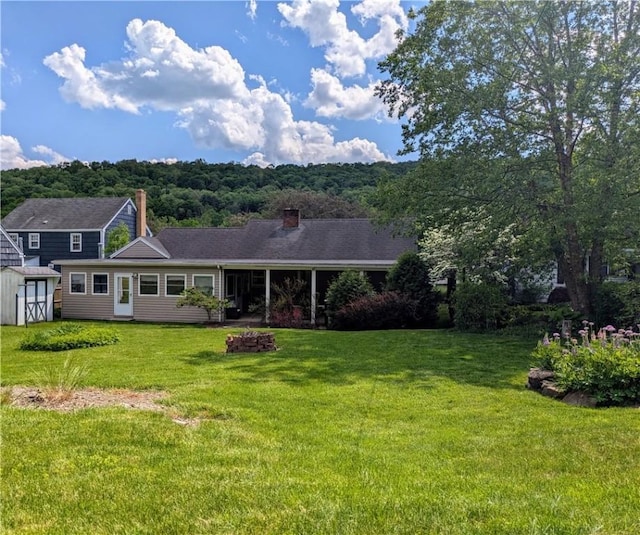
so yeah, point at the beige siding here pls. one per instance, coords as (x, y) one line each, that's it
(140, 250)
(158, 308)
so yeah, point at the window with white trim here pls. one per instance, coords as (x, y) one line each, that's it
(204, 283)
(14, 237)
(175, 284)
(34, 241)
(100, 284)
(75, 242)
(78, 283)
(148, 284)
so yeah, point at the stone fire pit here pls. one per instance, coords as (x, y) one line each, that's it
(250, 342)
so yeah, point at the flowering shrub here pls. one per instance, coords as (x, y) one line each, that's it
(603, 363)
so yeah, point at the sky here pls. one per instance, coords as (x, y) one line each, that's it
(252, 82)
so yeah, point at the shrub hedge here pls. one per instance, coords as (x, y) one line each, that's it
(69, 336)
(386, 310)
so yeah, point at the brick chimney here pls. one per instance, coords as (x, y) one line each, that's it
(291, 218)
(141, 215)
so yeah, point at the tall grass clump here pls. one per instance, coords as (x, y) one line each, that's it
(69, 336)
(60, 382)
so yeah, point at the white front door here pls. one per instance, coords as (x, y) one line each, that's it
(123, 295)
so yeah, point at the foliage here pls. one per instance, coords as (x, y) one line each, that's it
(195, 297)
(543, 317)
(479, 307)
(288, 302)
(526, 118)
(345, 288)
(618, 303)
(386, 310)
(410, 276)
(605, 364)
(117, 238)
(312, 205)
(69, 336)
(202, 194)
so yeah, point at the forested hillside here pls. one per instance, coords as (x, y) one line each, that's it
(202, 194)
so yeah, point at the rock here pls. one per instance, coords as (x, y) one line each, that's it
(537, 376)
(580, 399)
(550, 389)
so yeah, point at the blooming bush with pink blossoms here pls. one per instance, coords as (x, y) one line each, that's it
(604, 363)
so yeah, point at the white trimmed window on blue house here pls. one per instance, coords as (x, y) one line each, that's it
(76, 242)
(34, 241)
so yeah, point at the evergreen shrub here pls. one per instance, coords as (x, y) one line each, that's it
(344, 289)
(479, 306)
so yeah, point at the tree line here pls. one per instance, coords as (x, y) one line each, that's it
(198, 193)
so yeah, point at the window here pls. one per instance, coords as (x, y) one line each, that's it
(14, 237)
(147, 284)
(175, 284)
(76, 242)
(100, 283)
(34, 241)
(78, 283)
(204, 283)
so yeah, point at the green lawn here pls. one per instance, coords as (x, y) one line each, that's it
(336, 433)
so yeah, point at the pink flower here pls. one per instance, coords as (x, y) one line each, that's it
(610, 328)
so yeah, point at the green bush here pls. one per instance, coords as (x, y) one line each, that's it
(387, 310)
(605, 364)
(69, 336)
(410, 276)
(479, 307)
(344, 289)
(543, 317)
(618, 303)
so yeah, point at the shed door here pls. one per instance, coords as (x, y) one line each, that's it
(123, 296)
(35, 306)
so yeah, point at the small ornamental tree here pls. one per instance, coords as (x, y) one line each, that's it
(410, 276)
(117, 238)
(194, 297)
(346, 288)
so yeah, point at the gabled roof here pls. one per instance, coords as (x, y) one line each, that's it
(142, 247)
(265, 240)
(76, 213)
(10, 253)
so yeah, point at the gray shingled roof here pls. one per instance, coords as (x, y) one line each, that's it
(87, 213)
(314, 239)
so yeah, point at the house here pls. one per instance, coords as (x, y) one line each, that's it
(26, 292)
(73, 228)
(143, 280)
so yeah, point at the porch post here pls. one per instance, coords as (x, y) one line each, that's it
(267, 294)
(313, 297)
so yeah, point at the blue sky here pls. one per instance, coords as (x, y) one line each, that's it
(246, 81)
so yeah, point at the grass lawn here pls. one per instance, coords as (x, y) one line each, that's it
(335, 433)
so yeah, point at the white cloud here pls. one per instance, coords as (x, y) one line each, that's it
(12, 157)
(252, 9)
(207, 90)
(345, 50)
(331, 99)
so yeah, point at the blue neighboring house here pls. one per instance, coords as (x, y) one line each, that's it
(72, 228)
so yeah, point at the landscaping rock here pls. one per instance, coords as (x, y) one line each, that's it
(550, 389)
(537, 376)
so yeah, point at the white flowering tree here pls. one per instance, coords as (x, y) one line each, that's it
(528, 113)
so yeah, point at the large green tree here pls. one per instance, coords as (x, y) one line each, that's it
(526, 116)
